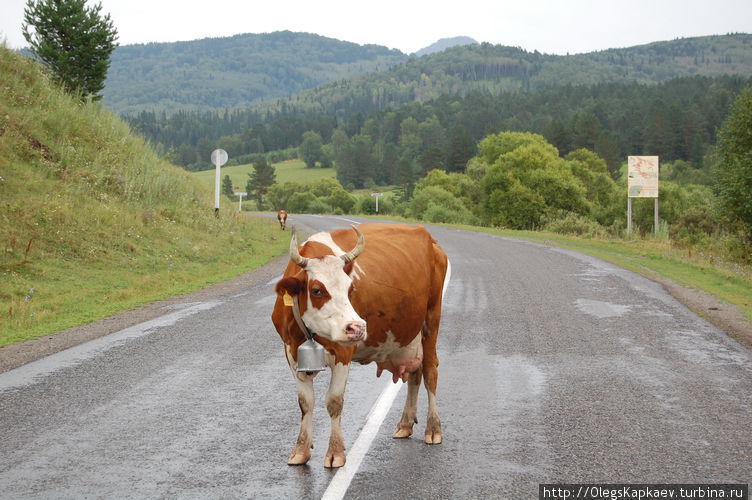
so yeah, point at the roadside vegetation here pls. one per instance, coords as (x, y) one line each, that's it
(519, 185)
(92, 221)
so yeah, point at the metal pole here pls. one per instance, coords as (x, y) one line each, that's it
(216, 189)
(657, 219)
(629, 215)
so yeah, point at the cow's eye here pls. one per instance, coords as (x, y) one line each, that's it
(317, 292)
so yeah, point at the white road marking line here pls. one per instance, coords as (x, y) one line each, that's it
(348, 220)
(29, 373)
(341, 480)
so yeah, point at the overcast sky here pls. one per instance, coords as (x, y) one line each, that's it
(549, 26)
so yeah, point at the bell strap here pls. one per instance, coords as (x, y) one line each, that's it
(296, 313)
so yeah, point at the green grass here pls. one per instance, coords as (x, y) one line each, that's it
(93, 222)
(287, 171)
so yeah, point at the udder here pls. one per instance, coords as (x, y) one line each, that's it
(401, 369)
(402, 361)
(390, 355)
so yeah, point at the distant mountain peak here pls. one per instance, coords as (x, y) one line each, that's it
(445, 43)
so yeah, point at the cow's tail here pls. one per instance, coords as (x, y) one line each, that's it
(447, 277)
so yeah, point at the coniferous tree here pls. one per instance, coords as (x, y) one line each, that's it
(227, 187)
(261, 179)
(73, 40)
(734, 174)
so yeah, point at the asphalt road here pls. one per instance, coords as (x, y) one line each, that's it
(555, 367)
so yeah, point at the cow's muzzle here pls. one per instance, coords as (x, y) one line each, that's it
(356, 331)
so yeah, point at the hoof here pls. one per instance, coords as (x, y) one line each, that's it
(298, 460)
(403, 432)
(432, 437)
(334, 461)
(298, 457)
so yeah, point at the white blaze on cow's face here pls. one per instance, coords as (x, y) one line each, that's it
(329, 312)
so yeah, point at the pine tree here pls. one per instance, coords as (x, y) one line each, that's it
(227, 187)
(734, 171)
(74, 41)
(261, 179)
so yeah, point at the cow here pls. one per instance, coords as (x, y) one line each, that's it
(282, 218)
(368, 294)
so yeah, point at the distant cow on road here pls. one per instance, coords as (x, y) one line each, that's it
(370, 294)
(282, 218)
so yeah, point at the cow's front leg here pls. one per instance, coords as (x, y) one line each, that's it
(301, 453)
(335, 401)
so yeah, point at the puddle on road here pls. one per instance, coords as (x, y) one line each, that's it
(601, 309)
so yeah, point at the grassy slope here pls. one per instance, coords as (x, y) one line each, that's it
(92, 221)
(287, 171)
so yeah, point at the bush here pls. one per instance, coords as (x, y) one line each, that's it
(367, 205)
(299, 202)
(695, 226)
(318, 206)
(433, 194)
(516, 208)
(442, 214)
(573, 223)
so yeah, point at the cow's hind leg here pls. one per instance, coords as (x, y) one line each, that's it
(442, 275)
(431, 375)
(301, 453)
(410, 412)
(335, 400)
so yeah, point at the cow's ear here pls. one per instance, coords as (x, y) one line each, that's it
(290, 285)
(348, 268)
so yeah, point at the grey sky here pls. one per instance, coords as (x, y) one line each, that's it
(549, 26)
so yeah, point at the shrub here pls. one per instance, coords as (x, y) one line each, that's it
(572, 223)
(299, 202)
(440, 213)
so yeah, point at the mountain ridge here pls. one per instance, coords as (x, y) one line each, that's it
(249, 70)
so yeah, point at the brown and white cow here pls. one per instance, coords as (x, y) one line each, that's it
(282, 218)
(370, 294)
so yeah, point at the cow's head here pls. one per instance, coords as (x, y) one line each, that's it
(323, 287)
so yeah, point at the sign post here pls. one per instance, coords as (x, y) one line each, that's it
(642, 182)
(240, 203)
(377, 196)
(218, 158)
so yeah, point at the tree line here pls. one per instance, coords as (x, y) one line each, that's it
(676, 120)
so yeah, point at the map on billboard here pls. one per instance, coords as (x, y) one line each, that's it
(642, 179)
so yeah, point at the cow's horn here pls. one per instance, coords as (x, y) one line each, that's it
(350, 256)
(294, 253)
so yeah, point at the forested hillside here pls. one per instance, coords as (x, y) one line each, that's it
(231, 72)
(611, 101)
(249, 69)
(676, 119)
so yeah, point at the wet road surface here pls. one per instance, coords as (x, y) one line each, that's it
(555, 367)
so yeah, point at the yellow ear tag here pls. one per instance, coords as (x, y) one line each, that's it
(287, 299)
